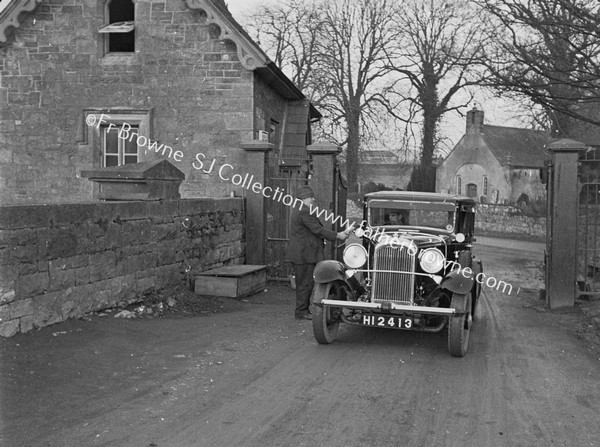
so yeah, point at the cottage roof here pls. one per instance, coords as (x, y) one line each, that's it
(515, 146)
(11, 15)
(250, 54)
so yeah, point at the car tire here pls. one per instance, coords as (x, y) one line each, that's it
(325, 328)
(459, 327)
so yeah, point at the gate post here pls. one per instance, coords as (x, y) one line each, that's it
(323, 180)
(256, 210)
(561, 269)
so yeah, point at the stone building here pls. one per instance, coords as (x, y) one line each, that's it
(495, 164)
(92, 83)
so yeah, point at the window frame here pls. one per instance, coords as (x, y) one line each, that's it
(108, 29)
(134, 117)
(121, 153)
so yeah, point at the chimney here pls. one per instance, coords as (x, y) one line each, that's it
(474, 121)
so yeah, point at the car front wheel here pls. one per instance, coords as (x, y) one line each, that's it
(459, 326)
(325, 324)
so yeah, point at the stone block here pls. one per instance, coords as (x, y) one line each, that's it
(47, 309)
(27, 237)
(27, 269)
(144, 284)
(70, 262)
(25, 216)
(43, 266)
(9, 328)
(166, 255)
(72, 213)
(8, 274)
(22, 254)
(7, 294)
(82, 276)
(163, 208)
(61, 279)
(20, 308)
(69, 310)
(4, 313)
(35, 284)
(26, 323)
(9, 238)
(114, 235)
(103, 265)
(57, 243)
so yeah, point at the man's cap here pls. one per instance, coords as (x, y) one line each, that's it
(304, 192)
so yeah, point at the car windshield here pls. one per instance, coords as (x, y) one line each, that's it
(422, 214)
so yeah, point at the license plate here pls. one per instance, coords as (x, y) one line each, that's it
(390, 321)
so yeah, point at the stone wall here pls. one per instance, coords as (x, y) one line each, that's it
(63, 260)
(508, 220)
(491, 219)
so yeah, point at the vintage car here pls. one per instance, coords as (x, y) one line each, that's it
(414, 269)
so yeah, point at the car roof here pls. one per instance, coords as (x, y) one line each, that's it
(419, 196)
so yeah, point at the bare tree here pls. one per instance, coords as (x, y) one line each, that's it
(440, 44)
(337, 52)
(357, 77)
(289, 32)
(548, 52)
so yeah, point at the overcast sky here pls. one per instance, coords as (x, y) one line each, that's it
(238, 7)
(498, 113)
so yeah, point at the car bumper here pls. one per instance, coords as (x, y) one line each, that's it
(400, 308)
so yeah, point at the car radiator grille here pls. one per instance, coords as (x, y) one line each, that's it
(397, 287)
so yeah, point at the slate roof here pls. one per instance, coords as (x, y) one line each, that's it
(271, 73)
(516, 147)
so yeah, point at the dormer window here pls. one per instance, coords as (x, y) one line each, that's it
(120, 28)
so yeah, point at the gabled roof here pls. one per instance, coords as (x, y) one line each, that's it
(251, 56)
(516, 147)
(11, 17)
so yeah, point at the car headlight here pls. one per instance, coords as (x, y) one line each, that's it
(355, 256)
(431, 260)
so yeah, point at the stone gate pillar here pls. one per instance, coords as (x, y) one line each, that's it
(323, 180)
(256, 209)
(561, 267)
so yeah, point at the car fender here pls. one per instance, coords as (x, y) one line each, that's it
(327, 271)
(477, 269)
(330, 271)
(458, 281)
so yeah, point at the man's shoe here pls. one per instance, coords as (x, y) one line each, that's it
(304, 317)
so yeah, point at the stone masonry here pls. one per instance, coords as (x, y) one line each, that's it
(60, 261)
(508, 220)
(53, 71)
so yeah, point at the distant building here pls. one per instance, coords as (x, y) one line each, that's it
(495, 164)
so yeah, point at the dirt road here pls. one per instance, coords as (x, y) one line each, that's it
(254, 376)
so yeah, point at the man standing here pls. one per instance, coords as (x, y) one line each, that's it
(305, 249)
